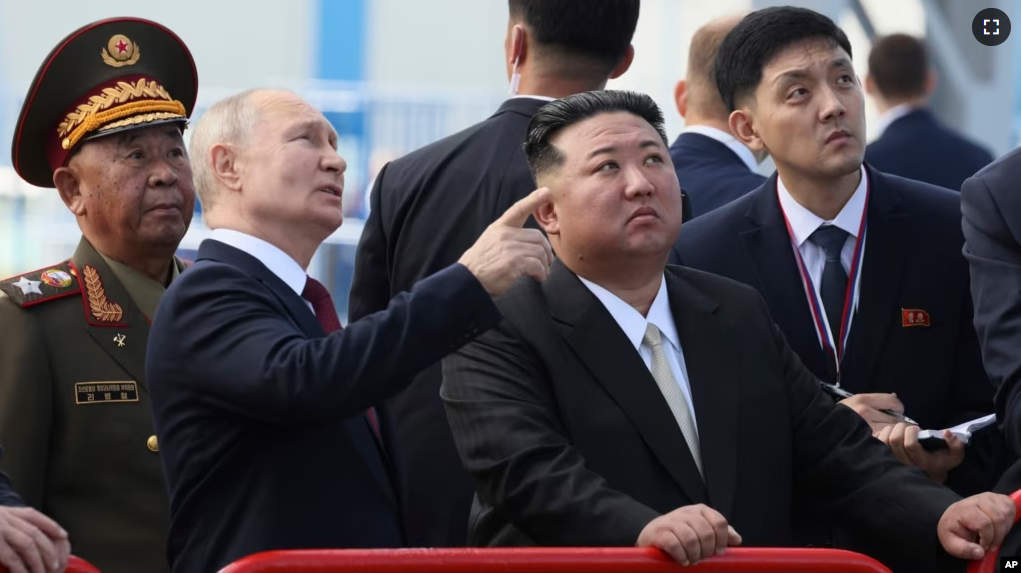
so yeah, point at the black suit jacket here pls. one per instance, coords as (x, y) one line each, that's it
(260, 414)
(571, 443)
(912, 261)
(917, 146)
(991, 208)
(8, 497)
(426, 209)
(710, 173)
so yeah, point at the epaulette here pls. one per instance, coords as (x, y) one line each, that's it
(43, 285)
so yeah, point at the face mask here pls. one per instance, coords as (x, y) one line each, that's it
(515, 80)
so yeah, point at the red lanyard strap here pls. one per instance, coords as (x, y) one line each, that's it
(833, 346)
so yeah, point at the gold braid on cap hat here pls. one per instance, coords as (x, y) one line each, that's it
(115, 103)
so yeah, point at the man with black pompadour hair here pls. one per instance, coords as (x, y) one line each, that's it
(428, 207)
(626, 402)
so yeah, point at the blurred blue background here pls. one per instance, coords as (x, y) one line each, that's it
(394, 75)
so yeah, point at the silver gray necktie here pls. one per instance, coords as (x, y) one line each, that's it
(671, 391)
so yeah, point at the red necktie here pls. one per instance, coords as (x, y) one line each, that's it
(322, 306)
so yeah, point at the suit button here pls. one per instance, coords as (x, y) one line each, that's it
(153, 444)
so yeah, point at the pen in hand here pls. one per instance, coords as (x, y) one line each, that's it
(842, 394)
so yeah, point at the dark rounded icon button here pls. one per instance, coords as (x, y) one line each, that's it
(991, 27)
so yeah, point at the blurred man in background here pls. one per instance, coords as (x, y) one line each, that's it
(103, 124)
(913, 143)
(713, 166)
(428, 207)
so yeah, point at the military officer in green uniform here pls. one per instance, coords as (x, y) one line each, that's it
(103, 124)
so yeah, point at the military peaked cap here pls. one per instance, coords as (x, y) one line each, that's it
(106, 77)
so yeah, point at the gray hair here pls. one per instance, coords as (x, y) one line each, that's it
(229, 120)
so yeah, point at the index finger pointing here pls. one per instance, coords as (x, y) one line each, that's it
(520, 211)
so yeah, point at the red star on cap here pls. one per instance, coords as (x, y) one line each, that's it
(122, 46)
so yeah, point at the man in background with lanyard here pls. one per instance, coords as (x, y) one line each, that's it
(862, 271)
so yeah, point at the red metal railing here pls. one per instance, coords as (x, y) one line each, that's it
(551, 560)
(989, 563)
(74, 565)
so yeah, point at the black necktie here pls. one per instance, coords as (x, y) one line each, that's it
(834, 278)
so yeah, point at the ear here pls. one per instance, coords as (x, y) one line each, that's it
(546, 215)
(681, 97)
(223, 159)
(68, 185)
(742, 125)
(931, 79)
(517, 52)
(870, 85)
(629, 56)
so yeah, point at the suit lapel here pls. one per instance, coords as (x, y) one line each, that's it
(364, 438)
(610, 357)
(114, 322)
(778, 279)
(713, 387)
(887, 232)
(295, 305)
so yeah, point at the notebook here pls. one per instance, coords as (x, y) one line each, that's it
(962, 431)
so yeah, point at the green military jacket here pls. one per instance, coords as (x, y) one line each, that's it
(75, 419)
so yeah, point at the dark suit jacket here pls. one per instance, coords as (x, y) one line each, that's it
(710, 173)
(260, 413)
(912, 261)
(917, 146)
(571, 443)
(991, 209)
(8, 497)
(427, 209)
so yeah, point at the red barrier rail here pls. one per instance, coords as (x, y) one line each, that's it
(990, 562)
(74, 565)
(551, 560)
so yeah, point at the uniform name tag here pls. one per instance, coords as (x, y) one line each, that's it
(100, 392)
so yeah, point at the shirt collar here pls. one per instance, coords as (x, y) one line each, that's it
(804, 222)
(538, 97)
(631, 321)
(144, 292)
(730, 141)
(277, 261)
(893, 114)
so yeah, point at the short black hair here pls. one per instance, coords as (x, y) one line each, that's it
(543, 156)
(595, 30)
(899, 64)
(758, 38)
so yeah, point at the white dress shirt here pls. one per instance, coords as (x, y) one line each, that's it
(804, 223)
(278, 262)
(633, 324)
(740, 149)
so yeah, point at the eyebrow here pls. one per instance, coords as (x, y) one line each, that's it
(316, 124)
(802, 73)
(612, 149)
